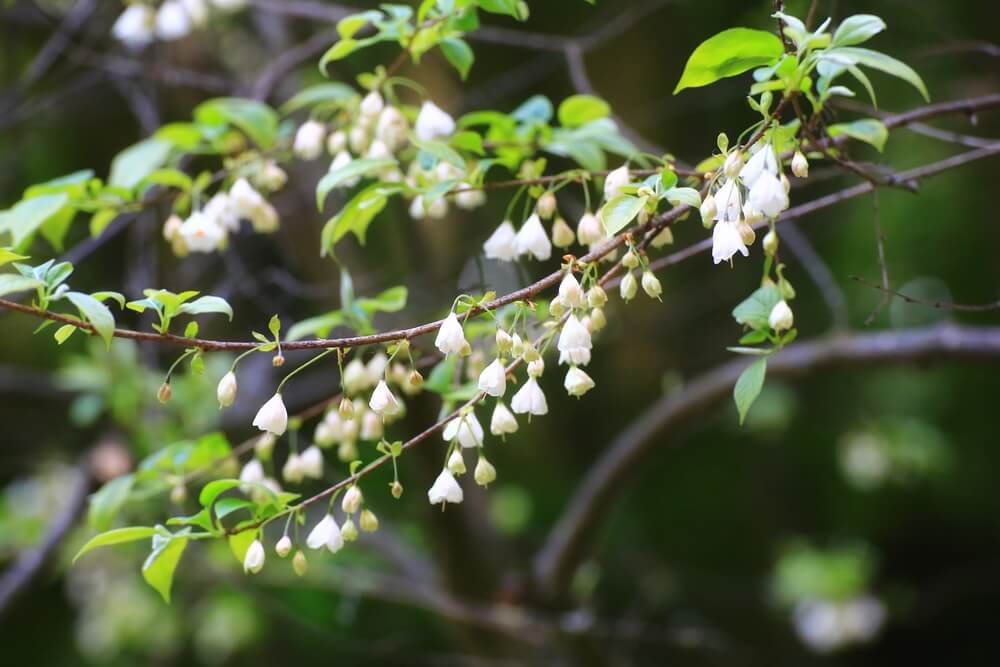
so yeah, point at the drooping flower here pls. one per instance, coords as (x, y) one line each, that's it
(651, 285)
(563, 235)
(503, 421)
(433, 122)
(532, 239)
(252, 472)
(356, 377)
(574, 343)
(727, 201)
(466, 429)
(222, 209)
(708, 211)
(493, 379)
(456, 463)
(202, 233)
(726, 242)
(570, 293)
(253, 561)
(614, 181)
(589, 230)
(371, 427)
(800, 165)
(226, 390)
(768, 195)
(781, 317)
(284, 546)
(326, 533)
(450, 337)
(628, 287)
(484, 474)
(392, 128)
(309, 140)
(372, 104)
(352, 500)
(135, 26)
(762, 161)
(293, 472)
(546, 205)
(311, 461)
(383, 402)
(172, 21)
(529, 399)
(272, 416)
(445, 489)
(501, 244)
(577, 382)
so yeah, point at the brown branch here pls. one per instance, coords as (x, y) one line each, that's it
(567, 542)
(941, 305)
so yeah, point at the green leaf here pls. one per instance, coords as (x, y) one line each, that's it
(440, 150)
(24, 219)
(459, 54)
(240, 543)
(207, 304)
(441, 376)
(536, 109)
(158, 570)
(11, 283)
(355, 216)
(116, 536)
(756, 309)
(7, 256)
(96, 313)
(856, 29)
(391, 300)
(581, 109)
(748, 386)
(258, 120)
(324, 93)
(729, 53)
(63, 333)
(137, 162)
(620, 211)
(274, 325)
(512, 8)
(170, 177)
(101, 220)
(227, 506)
(105, 503)
(214, 489)
(678, 196)
(884, 63)
(356, 169)
(868, 130)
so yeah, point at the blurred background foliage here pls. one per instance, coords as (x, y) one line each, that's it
(853, 520)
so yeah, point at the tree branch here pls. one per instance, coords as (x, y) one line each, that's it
(566, 545)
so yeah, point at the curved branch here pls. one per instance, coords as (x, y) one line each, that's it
(566, 545)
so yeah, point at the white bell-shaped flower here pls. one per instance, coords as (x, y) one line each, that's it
(202, 233)
(501, 244)
(469, 198)
(762, 161)
(493, 379)
(226, 390)
(135, 26)
(614, 181)
(252, 472)
(272, 416)
(392, 128)
(326, 533)
(532, 239)
(466, 429)
(503, 421)
(222, 209)
(450, 337)
(727, 201)
(372, 104)
(383, 402)
(577, 382)
(529, 399)
(253, 561)
(172, 21)
(589, 230)
(574, 343)
(433, 122)
(309, 140)
(356, 377)
(445, 489)
(768, 195)
(727, 241)
(781, 317)
(311, 461)
(570, 292)
(371, 427)
(292, 472)
(456, 462)
(800, 165)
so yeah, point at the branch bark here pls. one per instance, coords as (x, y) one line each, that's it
(568, 540)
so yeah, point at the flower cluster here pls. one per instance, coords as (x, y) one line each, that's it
(207, 229)
(141, 23)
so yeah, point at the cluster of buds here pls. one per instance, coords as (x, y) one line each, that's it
(207, 229)
(141, 23)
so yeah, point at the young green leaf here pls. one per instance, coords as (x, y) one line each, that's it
(207, 304)
(138, 161)
(756, 309)
(581, 109)
(256, 119)
(356, 169)
(96, 313)
(459, 54)
(748, 386)
(158, 570)
(116, 536)
(620, 211)
(729, 53)
(856, 29)
(868, 130)
(10, 283)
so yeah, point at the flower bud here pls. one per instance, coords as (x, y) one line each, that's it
(563, 235)
(556, 307)
(708, 211)
(396, 489)
(546, 206)
(485, 474)
(786, 184)
(516, 345)
(165, 392)
(651, 285)
(352, 500)
(299, 563)
(253, 561)
(456, 464)
(368, 521)
(630, 260)
(664, 237)
(597, 319)
(781, 317)
(733, 164)
(589, 230)
(372, 104)
(800, 165)
(536, 368)
(347, 451)
(504, 341)
(628, 287)
(264, 446)
(278, 360)
(415, 379)
(530, 353)
(597, 297)
(178, 494)
(346, 408)
(226, 390)
(336, 142)
(284, 546)
(771, 243)
(746, 233)
(349, 531)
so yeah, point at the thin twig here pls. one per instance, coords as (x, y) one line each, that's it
(941, 305)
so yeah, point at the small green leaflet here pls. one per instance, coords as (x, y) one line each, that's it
(756, 309)
(356, 216)
(28, 215)
(137, 162)
(620, 211)
(256, 119)
(207, 304)
(459, 54)
(748, 386)
(323, 93)
(868, 130)
(116, 536)
(856, 29)
(11, 283)
(96, 313)
(158, 570)
(355, 169)
(729, 53)
(579, 110)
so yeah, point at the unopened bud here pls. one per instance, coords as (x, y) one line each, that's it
(504, 341)
(415, 379)
(546, 206)
(346, 408)
(556, 307)
(278, 360)
(530, 353)
(665, 237)
(630, 260)
(651, 285)
(264, 446)
(536, 368)
(352, 500)
(284, 546)
(708, 211)
(746, 233)
(397, 490)
(563, 235)
(516, 345)
(628, 287)
(733, 164)
(597, 319)
(800, 165)
(368, 521)
(771, 243)
(485, 474)
(456, 463)
(781, 318)
(785, 183)
(349, 531)
(299, 563)
(597, 297)
(165, 392)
